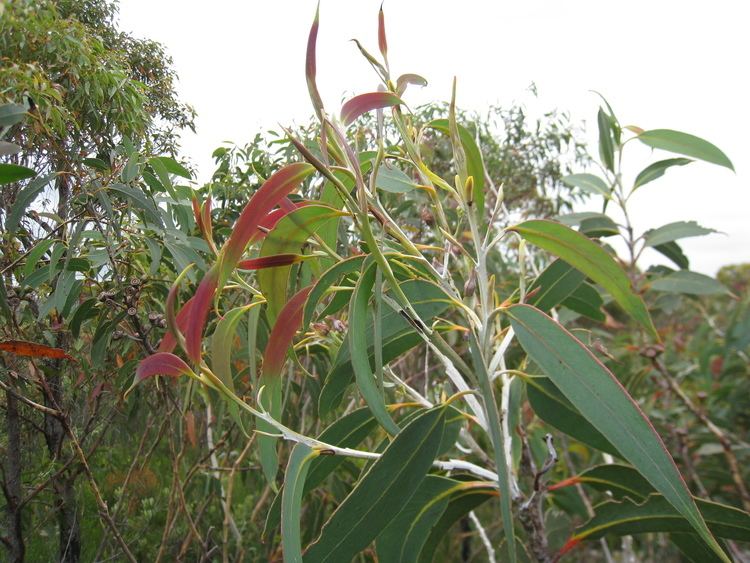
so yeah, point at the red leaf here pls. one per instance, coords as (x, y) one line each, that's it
(564, 483)
(168, 341)
(270, 261)
(310, 65)
(161, 363)
(570, 544)
(382, 42)
(363, 103)
(278, 186)
(282, 334)
(199, 312)
(34, 350)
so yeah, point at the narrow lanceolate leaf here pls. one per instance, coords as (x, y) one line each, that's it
(161, 363)
(586, 256)
(657, 515)
(24, 198)
(268, 196)
(310, 65)
(359, 315)
(589, 183)
(675, 231)
(382, 492)
(363, 103)
(221, 343)
(291, 501)
(275, 261)
(168, 341)
(673, 251)
(461, 503)
(657, 169)
(14, 173)
(606, 143)
(34, 350)
(554, 284)
(604, 402)
(691, 283)
(382, 40)
(685, 144)
(274, 357)
(619, 480)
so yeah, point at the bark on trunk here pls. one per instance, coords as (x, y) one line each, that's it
(12, 488)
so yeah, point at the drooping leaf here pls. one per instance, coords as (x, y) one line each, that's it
(589, 183)
(359, 318)
(161, 363)
(586, 301)
(291, 501)
(685, 144)
(405, 79)
(619, 480)
(604, 402)
(172, 166)
(328, 278)
(673, 251)
(592, 260)
(674, 231)
(691, 283)
(24, 198)
(382, 492)
(34, 350)
(363, 103)
(14, 173)
(656, 514)
(657, 169)
(139, 200)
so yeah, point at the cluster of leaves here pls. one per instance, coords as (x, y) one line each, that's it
(372, 303)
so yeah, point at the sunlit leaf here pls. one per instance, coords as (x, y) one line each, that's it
(363, 103)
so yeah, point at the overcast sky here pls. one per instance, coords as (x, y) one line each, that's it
(661, 64)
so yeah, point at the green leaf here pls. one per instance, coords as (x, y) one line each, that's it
(675, 231)
(35, 255)
(291, 500)
(10, 114)
(673, 251)
(359, 318)
(25, 197)
(586, 301)
(461, 503)
(604, 402)
(139, 200)
(393, 180)
(606, 144)
(656, 514)
(619, 480)
(287, 237)
(599, 227)
(474, 164)
(657, 170)
(171, 166)
(592, 260)
(14, 173)
(589, 183)
(555, 283)
(685, 144)
(382, 492)
(402, 540)
(326, 280)
(553, 408)
(691, 283)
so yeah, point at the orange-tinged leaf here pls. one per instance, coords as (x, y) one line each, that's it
(363, 103)
(34, 350)
(161, 363)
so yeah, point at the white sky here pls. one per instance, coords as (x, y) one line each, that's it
(661, 64)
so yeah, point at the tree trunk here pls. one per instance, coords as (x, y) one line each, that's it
(12, 485)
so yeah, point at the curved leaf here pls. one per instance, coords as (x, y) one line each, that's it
(589, 183)
(363, 103)
(686, 144)
(25, 196)
(657, 170)
(691, 283)
(592, 260)
(161, 363)
(674, 231)
(382, 492)
(352, 264)
(619, 480)
(605, 403)
(14, 173)
(291, 500)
